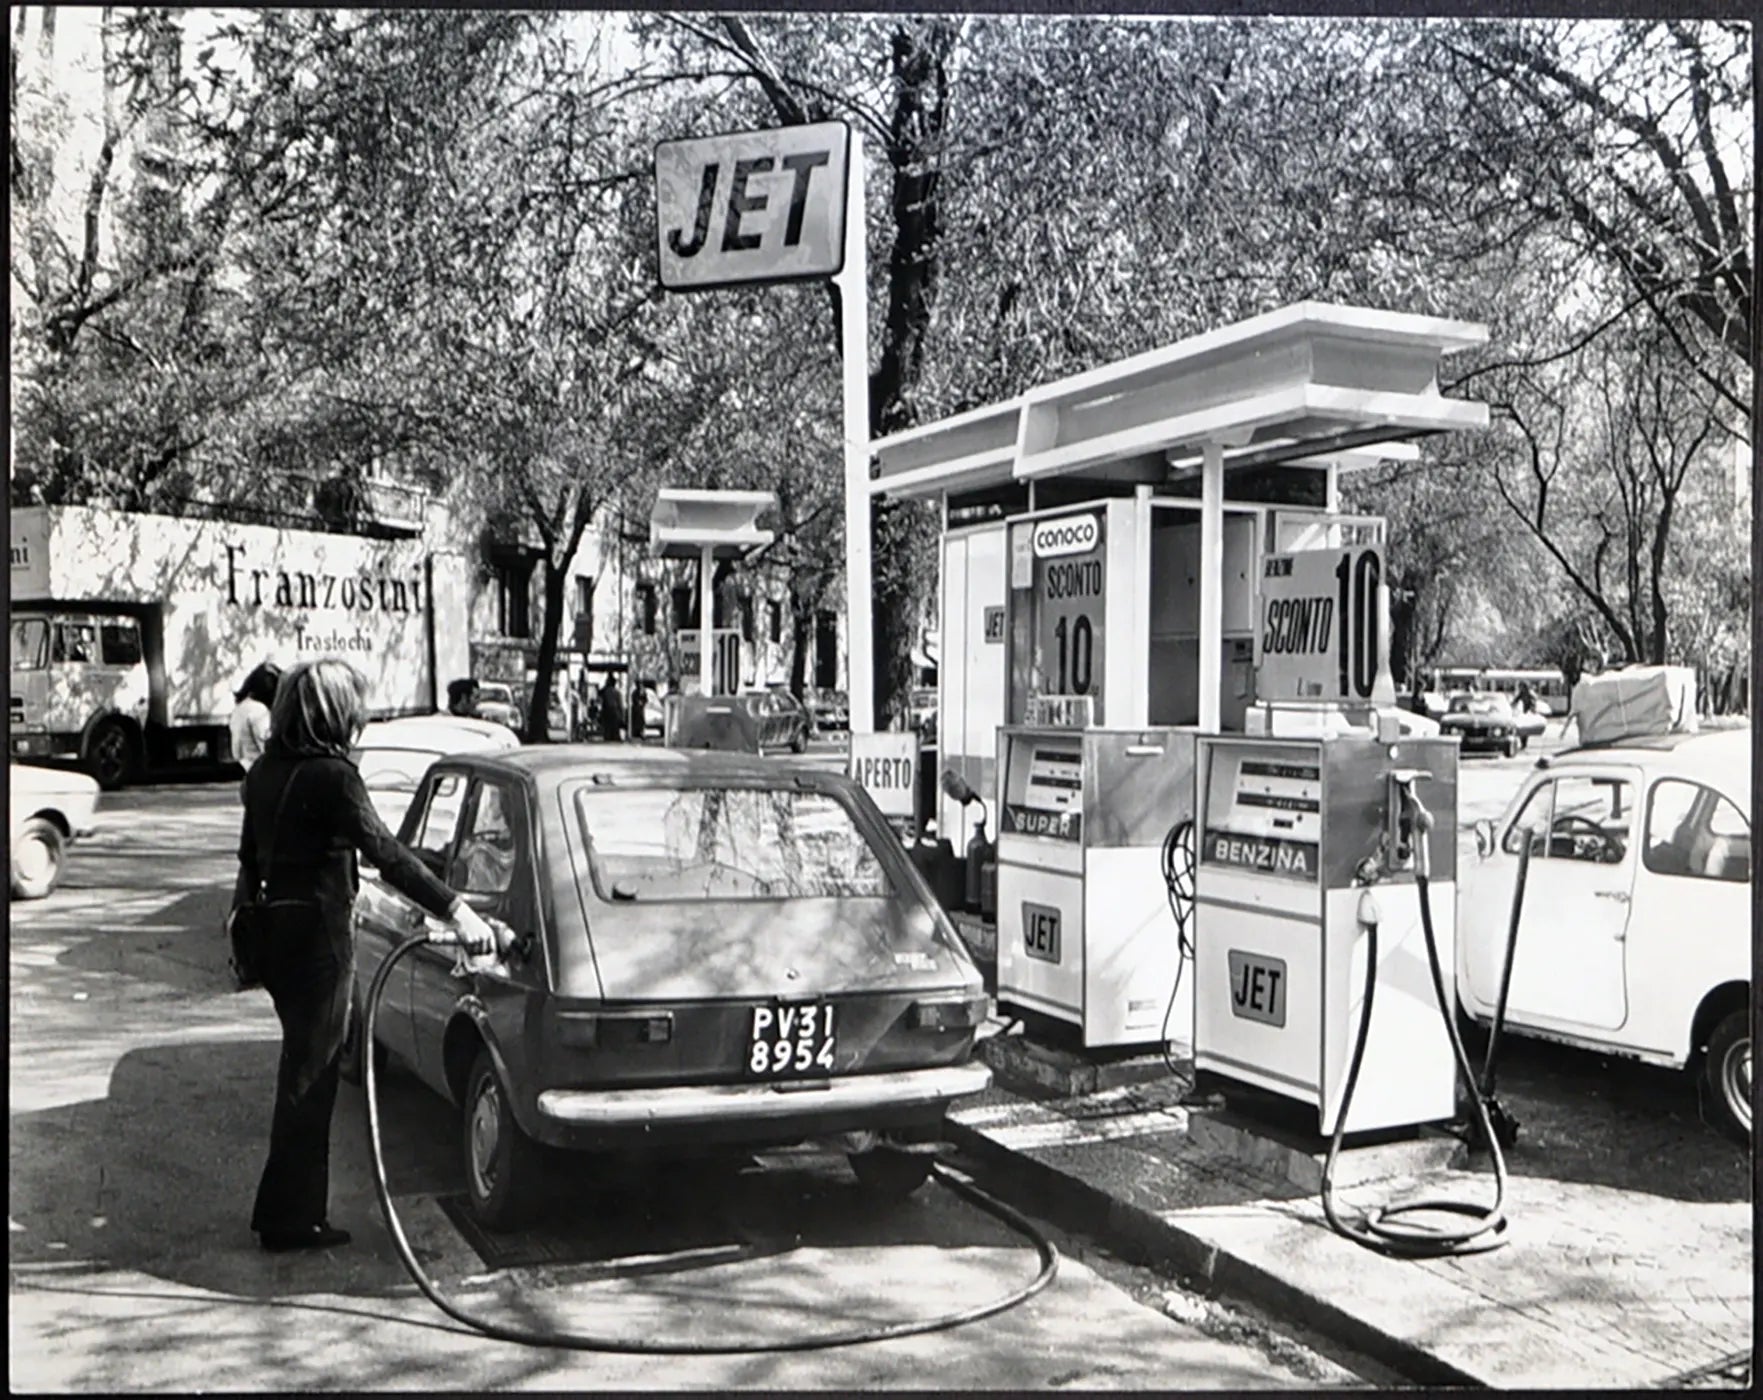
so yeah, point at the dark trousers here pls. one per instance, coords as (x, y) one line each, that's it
(306, 971)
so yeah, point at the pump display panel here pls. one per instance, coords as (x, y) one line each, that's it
(1043, 789)
(1264, 813)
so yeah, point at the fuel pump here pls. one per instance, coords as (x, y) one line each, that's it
(1303, 842)
(1321, 960)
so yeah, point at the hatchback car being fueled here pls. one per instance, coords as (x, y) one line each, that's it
(710, 950)
(1634, 936)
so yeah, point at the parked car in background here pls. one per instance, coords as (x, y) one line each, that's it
(1634, 936)
(1530, 724)
(495, 701)
(1482, 722)
(921, 712)
(697, 935)
(393, 754)
(779, 720)
(51, 809)
(830, 709)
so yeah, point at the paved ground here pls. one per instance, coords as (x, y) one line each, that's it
(138, 1094)
(1599, 1286)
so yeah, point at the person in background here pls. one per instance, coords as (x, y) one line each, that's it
(639, 711)
(307, 813)
(249, 724)
(611, 710)
(462, 697)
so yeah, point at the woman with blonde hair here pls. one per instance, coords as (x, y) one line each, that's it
(307, 814)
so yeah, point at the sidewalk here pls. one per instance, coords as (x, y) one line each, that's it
(1596, 1287)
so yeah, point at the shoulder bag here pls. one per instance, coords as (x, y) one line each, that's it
(246, 924)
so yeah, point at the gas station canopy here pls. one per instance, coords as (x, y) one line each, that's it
(719, 524)
(1310, 383)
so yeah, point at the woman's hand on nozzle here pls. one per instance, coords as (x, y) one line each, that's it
(475, 934)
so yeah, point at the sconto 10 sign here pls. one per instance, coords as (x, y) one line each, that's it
(1070, 607)
(1318, 638)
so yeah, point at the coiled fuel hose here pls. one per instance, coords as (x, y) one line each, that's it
(1393, 1229)
(583, 1341)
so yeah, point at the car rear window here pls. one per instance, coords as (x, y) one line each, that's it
(660, 843)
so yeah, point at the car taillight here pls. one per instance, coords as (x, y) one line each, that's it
(614, 1030)
(948, 1013)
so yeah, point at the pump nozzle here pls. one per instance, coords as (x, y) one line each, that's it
(1411, 818)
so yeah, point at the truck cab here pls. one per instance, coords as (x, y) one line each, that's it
(80, 690)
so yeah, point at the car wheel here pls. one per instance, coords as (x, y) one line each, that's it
(800, 743)
(502, 1164)
(110, 755)
(39, 852)
(1726, 1072)
(1512, 747)
(890, 1173)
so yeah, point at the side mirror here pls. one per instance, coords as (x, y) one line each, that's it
(955, 786)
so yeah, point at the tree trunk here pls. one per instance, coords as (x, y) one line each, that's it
(538, 708)
(801, 631)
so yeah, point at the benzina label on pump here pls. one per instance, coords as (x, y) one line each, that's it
(1292, 860)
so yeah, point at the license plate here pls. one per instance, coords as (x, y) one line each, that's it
(791, 1040)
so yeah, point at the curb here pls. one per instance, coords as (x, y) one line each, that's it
(1143, 1237)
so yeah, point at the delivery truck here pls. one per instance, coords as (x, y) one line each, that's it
(130, 632)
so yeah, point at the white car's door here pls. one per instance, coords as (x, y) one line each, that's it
(1569, 962)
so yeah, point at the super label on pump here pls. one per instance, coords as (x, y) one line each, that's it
(1318, 637)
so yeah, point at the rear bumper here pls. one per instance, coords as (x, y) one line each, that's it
(761, 1105)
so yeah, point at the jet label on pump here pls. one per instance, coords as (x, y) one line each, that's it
(1257, 988)
(1273, 855)
(1040, 931)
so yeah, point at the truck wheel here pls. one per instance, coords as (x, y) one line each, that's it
(111, 754)
(502, 1164)
(889, 1173)
(38, 853)
(1726, 1074)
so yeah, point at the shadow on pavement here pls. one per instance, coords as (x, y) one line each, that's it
(181, 945)
(158, 1177)
(1587, 1118)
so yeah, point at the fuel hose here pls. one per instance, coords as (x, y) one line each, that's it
(584, 1341)
(1393, 1230)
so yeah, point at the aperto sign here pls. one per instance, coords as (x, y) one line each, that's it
(1317, 637)
(752, 206)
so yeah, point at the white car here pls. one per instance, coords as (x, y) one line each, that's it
(1634, 938)
(393, 754)
(51, 808)
(495, 701)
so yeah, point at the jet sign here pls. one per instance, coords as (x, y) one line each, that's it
(752, 206)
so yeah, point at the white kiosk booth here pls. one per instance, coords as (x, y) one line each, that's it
(1101, 561)
(708, 526)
